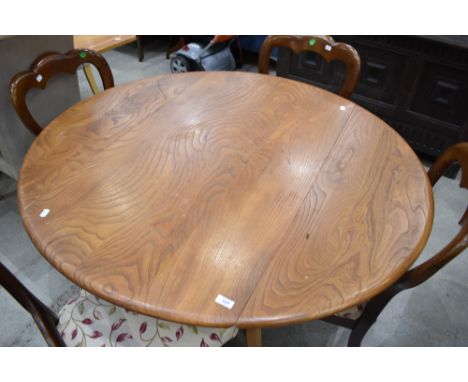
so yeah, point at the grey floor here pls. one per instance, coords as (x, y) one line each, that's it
(434, 314)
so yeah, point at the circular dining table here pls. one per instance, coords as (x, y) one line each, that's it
(225, 199)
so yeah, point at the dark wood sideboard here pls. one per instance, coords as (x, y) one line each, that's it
(417, 84)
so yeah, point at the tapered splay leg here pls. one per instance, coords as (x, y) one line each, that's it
(88, 71)
(254, 337)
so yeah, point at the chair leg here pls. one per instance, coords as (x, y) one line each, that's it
(369, 316)
(141, 54)
(358, 332)
(176, 43)
(254, 337)
(45, 319)
(88, 71)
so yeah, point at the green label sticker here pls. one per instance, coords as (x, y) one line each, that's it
(82, 54)
(312, 42)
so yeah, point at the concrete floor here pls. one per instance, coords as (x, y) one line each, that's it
(434, 314)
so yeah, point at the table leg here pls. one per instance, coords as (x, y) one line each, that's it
(88, 71)
(254, 337)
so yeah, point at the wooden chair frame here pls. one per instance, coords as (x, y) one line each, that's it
(47, 66)
(417, 275)
(45, 319)
(323, 45)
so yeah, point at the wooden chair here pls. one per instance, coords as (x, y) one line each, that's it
(86, 320)
(360, 318)
(47, 66)
(323, 45)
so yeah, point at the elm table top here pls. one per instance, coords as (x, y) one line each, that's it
(163, 193)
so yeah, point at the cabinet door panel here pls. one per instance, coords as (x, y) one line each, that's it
(381, 74)
(441, 93)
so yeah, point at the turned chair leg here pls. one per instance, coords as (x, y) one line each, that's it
(254, 337)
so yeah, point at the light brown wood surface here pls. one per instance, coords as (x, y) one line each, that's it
(287, 199)
(101, 43)
(253, 337)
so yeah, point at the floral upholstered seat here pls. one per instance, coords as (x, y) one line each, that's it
(87, 320)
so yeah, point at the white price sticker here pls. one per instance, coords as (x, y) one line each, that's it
(224, 301)
(44, 213)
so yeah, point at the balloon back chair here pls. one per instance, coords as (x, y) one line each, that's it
(323, 45)
(360, 318)
(46, 66)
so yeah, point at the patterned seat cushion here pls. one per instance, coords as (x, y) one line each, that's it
(352, 313)
(87, 320)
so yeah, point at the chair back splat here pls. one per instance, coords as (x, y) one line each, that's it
(323, 45)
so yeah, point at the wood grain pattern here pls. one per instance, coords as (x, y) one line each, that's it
(417, 275)
(166, 192)
(356, 223)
